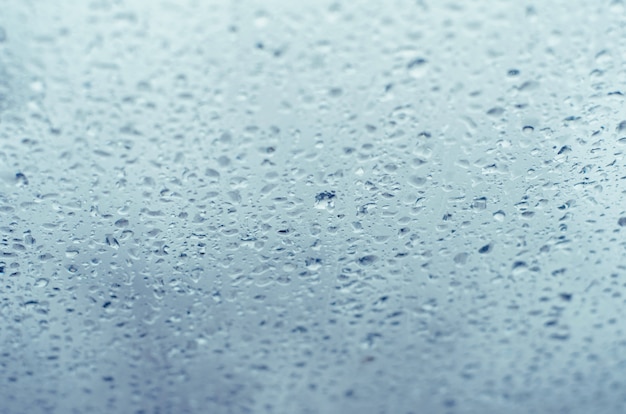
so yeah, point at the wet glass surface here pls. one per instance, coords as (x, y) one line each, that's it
(312, 207)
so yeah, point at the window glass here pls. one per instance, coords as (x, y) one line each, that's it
(409, 206)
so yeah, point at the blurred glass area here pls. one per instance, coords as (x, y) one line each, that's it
(316, 207)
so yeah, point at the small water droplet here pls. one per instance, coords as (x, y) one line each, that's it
(480, 203)
(20, 179)
(499, 215)
(417, 67)
(121, 223)
(41, 283)
(325, 200)
(368, 260)
(485, 249)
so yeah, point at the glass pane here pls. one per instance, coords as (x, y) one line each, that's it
(411, 206)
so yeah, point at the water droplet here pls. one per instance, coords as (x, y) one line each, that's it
(325, 200)
(41, 283)
(485, 249)
(121, 223)
(417, 67)
(368, 260)
(499, 215)
(480, 203)
(20, 179)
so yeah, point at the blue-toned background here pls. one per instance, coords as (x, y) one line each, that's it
(312, 207)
